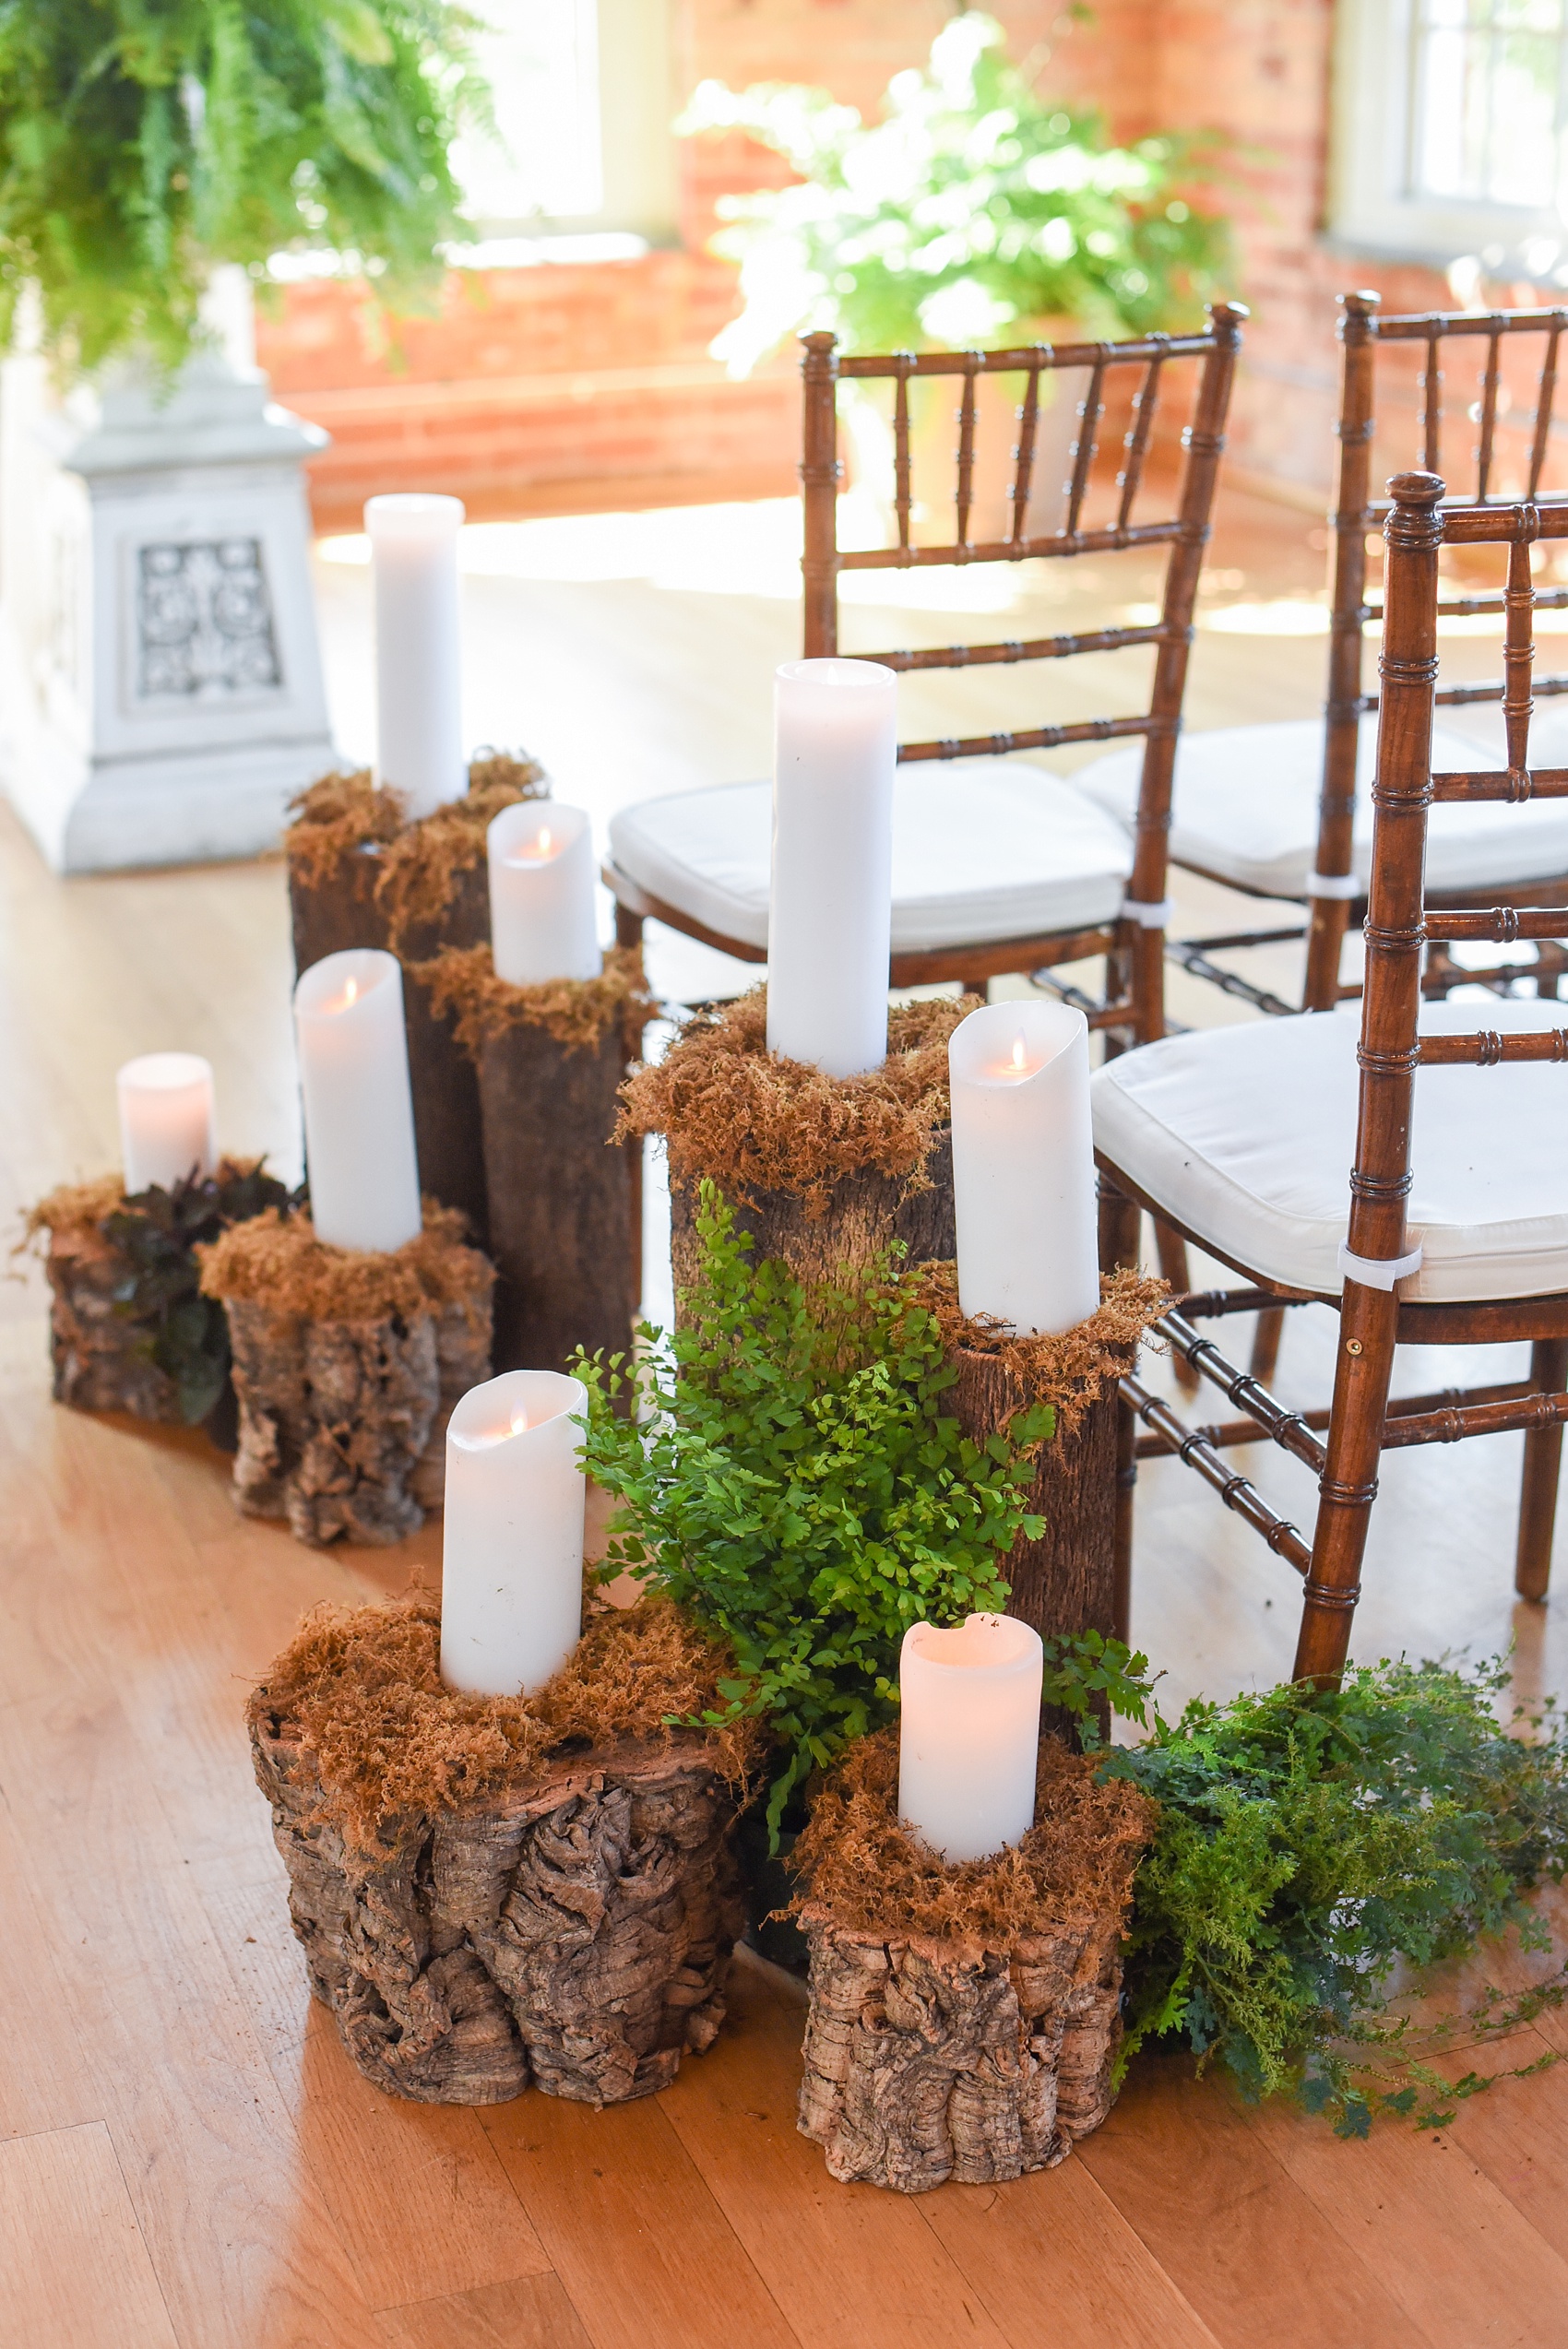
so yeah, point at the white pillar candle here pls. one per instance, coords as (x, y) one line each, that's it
(359, 1155)
(969, 1737)
(418, 676)
(512, 1543)
(830, 922)
(1023, 1166)
(543, 918)
(168, 1128)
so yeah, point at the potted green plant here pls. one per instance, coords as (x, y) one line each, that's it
(161, 669)
(978, 211)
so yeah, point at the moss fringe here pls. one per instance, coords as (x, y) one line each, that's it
(277, 1260)
(82, 1206)
(360, 1688)
(873, 1876)
(577, 1012)
(752, 1121)
(1070, 1370)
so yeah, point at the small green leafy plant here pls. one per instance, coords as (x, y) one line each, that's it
(975, 205)
(157, 1233)
(795, 1482)
(1312, 1841)
(144, 144)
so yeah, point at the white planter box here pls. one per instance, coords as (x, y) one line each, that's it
(160, 690)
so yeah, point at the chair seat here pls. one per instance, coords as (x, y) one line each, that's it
(1247, 1134)
(982, 849)
(1246, 810)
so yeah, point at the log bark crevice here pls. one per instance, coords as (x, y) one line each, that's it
(573, 1930)
(865, 1211)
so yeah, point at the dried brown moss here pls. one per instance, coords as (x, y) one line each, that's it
(81, 1207)
(1070, 1370)
(577, 1012)
(752, 1121)
(277, 1260)
(361, 1689)
(418, 867)
(873, 1875)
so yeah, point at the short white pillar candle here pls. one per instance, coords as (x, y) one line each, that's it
(830, 918)
(968, 1737)
(512, 1542)
(419, 670)
(1024, 1190)
(168, 1125)
(359, 1110)
(544, 919)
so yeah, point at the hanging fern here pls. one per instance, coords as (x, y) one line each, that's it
(145, 141)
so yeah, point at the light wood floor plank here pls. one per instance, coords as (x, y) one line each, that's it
(74, 2269)
(1516, 2131)
(532, 2315)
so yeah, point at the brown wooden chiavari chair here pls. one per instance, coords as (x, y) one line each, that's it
(698, 860)
(1233, 1135)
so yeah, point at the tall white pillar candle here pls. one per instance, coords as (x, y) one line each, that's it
(968, 1736)
(543, 918)
(830, 921)
(167, 1120)
(360, 1155)
(1023, 1166)
(512, 1543)
(418, 676)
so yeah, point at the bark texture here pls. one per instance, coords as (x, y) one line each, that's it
(334, 1418)
(926, 2060)
(865, 1211)
(574, 1931)
(562, 1200)
(462, 1360)
(341, 910)
(98, 1356)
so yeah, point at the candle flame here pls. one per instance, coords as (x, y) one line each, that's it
(1018, 1050)
(350, 992)
(520, 1421)
(543, 842)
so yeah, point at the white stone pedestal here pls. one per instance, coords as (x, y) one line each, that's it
(161, 692)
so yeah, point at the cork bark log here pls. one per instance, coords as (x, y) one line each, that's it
(340, 910)
(462, 1360)
(333, 1418)
(573, 1932)
(98, 1357)
(927, 2060)
(563, 1202)
(865, 1211)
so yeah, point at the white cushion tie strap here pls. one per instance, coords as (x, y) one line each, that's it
(1379, 1272)
(1149, 917)
(1333, 884)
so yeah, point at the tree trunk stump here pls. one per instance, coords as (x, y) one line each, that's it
(334, 1418)
(864, 1212)
(573, 1931)
(462, 1360)
(340, 910)
(927, 2060)
(563, 1202)
(99, 1358)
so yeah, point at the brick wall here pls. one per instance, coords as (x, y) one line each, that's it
(587, 388)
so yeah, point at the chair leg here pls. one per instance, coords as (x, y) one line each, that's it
(1347, 1487)
(1265, 1343)
(1543, 1457)
(628, 925)
(1172, 1250)
(981, 986)
(1119, 1225)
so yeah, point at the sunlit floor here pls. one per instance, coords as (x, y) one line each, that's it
(185, 2154)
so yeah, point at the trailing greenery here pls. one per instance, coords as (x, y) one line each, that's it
(147, 140)
(975, 205)
(794, 1482)
(157, 1233)
(1312, 1840)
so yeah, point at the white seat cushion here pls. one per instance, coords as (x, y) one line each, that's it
(1246, 805)
(1247, 1135)
(982, 849)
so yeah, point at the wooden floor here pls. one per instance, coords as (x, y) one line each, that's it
(185, 2156)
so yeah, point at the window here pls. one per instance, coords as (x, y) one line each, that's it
(1451, 131)
(583, 101)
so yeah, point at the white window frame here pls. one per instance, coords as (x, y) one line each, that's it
(1370, 207)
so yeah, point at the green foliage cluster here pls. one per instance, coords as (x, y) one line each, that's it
(145, 140)
(157, 1233)
(791, 1477)
(973, 207)
(1312, 1840)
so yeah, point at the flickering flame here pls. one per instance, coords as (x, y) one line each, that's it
(350, 992)
(1018, 1050)
(520, 1421)
(543, 842)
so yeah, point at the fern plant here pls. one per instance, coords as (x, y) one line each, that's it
(145, 143)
